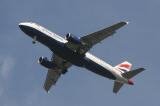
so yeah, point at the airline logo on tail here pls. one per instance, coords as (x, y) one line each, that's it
(124, 67)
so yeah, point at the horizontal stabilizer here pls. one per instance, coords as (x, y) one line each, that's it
(117, 86)
(132, 73)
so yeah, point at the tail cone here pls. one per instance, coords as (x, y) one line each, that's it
(130, 82)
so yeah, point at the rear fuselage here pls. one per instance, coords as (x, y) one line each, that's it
(57, 45)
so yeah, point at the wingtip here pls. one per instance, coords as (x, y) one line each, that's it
(124, 22)
(127, 22)
(115, 92)
(47, 91)
(143, 69)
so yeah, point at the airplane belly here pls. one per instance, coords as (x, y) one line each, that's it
(56, 46)
(69, 55)
(81, 61)
(62, 51)
(54, 43)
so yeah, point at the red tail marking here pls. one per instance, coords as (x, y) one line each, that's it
(125, 66)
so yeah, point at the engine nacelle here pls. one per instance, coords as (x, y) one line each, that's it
(46, 63)
(73, 39)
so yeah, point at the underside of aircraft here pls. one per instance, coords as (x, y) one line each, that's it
(74, 51)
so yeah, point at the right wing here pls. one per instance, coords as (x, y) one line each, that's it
(54, 74)
(98, 36)
(117, 86)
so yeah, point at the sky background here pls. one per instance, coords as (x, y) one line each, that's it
(22, 78)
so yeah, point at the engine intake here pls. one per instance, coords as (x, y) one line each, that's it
(46, 63)
(73, 39)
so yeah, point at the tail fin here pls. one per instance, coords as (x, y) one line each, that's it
(125, 66)
(132, 73)
(129, 74)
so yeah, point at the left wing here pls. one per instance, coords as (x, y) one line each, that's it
(54, 74)
(98, 36)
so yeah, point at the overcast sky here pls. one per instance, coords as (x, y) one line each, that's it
(22, 78)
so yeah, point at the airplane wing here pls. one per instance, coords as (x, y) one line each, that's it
(117, 86)
(54, 74)
(98, 36)
(51, 79)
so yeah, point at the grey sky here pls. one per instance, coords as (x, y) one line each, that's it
(22, 78)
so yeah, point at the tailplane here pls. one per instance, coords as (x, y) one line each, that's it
(128, 75)
(117, 86)
(132, 73)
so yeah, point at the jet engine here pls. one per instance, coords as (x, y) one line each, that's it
(73, 39)
(46, 63)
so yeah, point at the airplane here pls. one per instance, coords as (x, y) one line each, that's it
(75, 51)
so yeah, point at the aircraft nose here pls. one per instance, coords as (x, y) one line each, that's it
(22, 26)
(26, 28)
(130, 82)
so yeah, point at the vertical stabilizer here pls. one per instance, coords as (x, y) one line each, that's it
(125, 66)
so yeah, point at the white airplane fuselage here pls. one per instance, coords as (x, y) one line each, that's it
(57, 45)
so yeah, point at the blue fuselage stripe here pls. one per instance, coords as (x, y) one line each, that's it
(123, 70)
